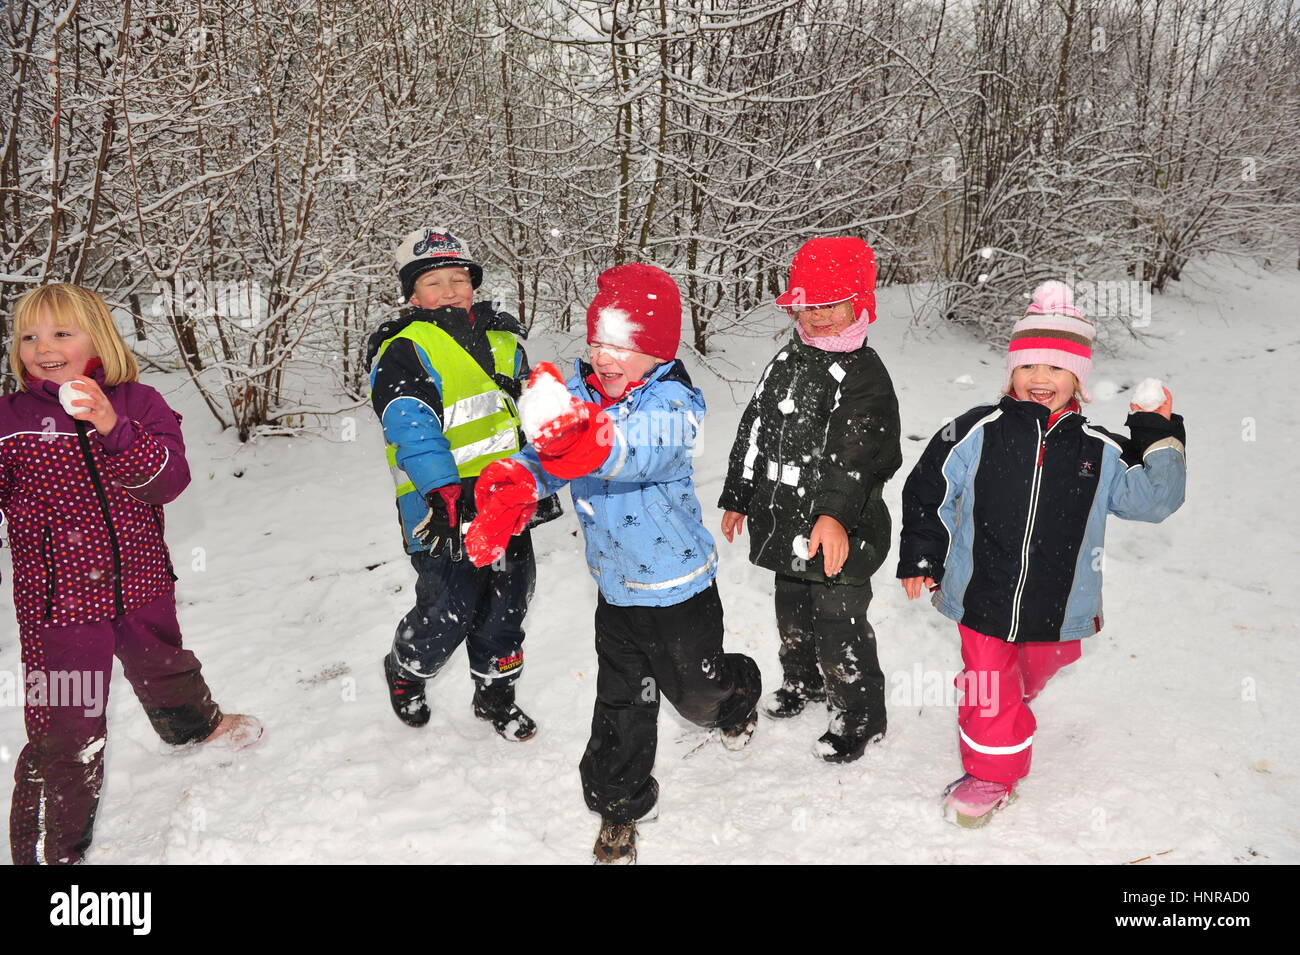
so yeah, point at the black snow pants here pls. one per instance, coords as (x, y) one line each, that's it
(644, 652)
(482, 607)
(827, 646)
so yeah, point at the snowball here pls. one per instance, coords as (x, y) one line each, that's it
(615, 327)
(800, 547)
(68, 393)
(1149, 394)
(786, 405)
(966, 381)
(585, 506)
(544, 400)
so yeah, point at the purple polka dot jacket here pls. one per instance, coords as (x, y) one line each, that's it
(83, 512)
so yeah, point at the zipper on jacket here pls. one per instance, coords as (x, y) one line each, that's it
(1029, 533)
(1029, 526)
(95, 480)
(47, 548)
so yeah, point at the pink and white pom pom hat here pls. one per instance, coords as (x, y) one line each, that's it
(1053, 332)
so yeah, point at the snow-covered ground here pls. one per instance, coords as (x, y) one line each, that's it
(1173, 738)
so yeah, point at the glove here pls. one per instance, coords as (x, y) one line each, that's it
(506, 496)
(572, 439)
(441, 523)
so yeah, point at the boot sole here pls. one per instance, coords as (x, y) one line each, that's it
(628, 858)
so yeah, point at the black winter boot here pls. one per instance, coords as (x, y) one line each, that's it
(789, 699)
(495, 702)
(846, 746)
(736, 738)
(406, 694)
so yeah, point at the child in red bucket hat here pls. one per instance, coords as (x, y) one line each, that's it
(815, 446)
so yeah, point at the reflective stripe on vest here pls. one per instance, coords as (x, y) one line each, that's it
(479, 420)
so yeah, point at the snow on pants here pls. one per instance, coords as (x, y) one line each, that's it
(66, 678)
(827, 643)
(994, 719)
(643, 652)
(482, 607)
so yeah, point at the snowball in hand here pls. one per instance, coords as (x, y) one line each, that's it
(1149, 394)
(68, 393)
(544, 399)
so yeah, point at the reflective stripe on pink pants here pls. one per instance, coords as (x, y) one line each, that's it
(994, 719)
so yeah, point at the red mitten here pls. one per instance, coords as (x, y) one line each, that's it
(572, 437)
(506, 496)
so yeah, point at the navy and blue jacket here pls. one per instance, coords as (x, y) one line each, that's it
(1008, 514)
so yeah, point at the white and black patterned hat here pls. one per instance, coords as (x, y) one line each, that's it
(426, 249)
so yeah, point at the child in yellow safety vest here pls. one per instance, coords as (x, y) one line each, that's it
(444, 379)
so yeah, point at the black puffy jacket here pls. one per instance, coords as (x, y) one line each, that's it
(820, 436)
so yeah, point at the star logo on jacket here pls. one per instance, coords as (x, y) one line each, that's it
(1087, 469)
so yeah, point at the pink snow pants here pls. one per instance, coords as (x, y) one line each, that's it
(994, 719)
(67, 670)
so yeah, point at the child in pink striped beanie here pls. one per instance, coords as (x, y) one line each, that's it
(1053, 333)
(1004, 517)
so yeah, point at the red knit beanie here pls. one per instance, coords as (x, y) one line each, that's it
(637, 307)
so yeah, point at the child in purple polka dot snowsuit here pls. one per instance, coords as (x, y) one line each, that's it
(82, 497)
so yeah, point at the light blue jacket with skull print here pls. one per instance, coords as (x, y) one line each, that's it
(646, 541)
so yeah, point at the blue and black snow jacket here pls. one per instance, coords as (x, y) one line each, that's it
(646, 541)
(1009, 514)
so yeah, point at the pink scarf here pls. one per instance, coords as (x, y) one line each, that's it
(850, 339)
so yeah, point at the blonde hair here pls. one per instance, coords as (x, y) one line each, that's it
(79, 307)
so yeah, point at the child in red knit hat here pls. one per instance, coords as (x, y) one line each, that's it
(815, 446)
(622, 431)
(1005, 515)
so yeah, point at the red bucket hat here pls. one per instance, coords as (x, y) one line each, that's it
(832, 270)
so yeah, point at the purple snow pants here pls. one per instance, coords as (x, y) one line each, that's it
(66, 676)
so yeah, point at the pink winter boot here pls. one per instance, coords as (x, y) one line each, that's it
(971, 802)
